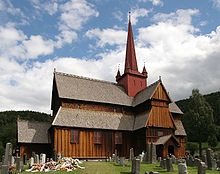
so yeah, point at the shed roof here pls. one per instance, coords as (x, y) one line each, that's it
(93, 119)
(141, 120)
(87, 89)
(174, 108)
(33, 132)
(179, 128)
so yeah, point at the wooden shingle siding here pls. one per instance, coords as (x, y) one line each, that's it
(86, 148)
(152, 133)
(160, 93)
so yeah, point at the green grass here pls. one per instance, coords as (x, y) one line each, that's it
(113, 168)
(205, 145)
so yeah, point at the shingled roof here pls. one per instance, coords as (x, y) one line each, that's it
(87, 89)
(179, 128)
(174, 108)
(164, 139)
(93, 119)
(141, 120)
(33, 132)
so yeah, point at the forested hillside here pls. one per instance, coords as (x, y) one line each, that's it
(213, 99)
(8, 125)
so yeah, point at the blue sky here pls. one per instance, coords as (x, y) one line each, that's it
(178, 40)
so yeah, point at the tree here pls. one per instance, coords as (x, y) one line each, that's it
(198, 121)
(212, 141)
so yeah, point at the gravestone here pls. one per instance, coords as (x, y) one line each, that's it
(19, 164)
(113, 157)
(7, 158)
(116, 152)
(161, 163)
(31, 161)
(12, 161)
(148, 151)
(218, 163)
(25, 159)
(159, 159)
(131, 154)
(204, 158)
(54, 155)
(173, 159)
(145, 157)
(136, 166)
(37, 160)
(59, 156)
(153, 153)
(197, 161)
(182, 168)
(42, 158)
(122, 161)
(169, 164)
(202, 168)
(164, 164)
(211, 162)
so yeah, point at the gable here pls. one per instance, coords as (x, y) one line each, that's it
(160, 117)
(161, 93)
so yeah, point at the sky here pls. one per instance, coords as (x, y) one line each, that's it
(177, 40)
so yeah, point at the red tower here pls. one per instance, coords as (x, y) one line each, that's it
(132, 80)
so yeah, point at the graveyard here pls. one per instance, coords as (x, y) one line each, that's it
(144, 163)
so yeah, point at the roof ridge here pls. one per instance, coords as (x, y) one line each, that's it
(86, 78)
(153, 83)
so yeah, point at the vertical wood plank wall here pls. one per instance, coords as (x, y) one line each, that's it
(86, 148)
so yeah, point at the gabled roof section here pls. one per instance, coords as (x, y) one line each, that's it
(145, 94)
(86, 89)
(149, 92)
(33, 132)
(174, 108)
(164, 139)
(93, 119)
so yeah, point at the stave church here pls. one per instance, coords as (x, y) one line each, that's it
(92, 118)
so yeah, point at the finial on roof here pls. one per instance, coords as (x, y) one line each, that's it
(129, 15)
(160, 78)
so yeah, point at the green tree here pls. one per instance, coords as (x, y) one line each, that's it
(198, 121)
(212, 141)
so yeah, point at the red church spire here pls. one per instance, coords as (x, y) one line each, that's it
(130, 59)
(132, 80)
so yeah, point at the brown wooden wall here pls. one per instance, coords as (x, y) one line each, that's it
(161, 94)
(37, 148)
(86, 148)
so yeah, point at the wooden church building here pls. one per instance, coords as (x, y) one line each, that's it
(92, 118)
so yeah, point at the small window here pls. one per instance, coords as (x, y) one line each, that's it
(74, 136)
(115, 109)
(97, 137)
(78, 106)
(118, 138)
(160, 133)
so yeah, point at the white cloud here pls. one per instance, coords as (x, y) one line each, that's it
(107, 36)
(75, 13)
(50, 6)
(216, 4)
(136, 13)
(179, 17)
(65, 36)
(154, 2)
(118, 15)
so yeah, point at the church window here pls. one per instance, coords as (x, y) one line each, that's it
(74, 136)
(160, 133)
(97, 137)
(115, 109)
(78, 106)
(118, 138)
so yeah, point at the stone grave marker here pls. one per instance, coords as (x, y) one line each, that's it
(153, 153)
(218, 163)
(31, 161)
(182, 168)
(131, 154)
(25, 159)
(159, 159)
(116, 160)
(164, 164)
(7, 158)
(37, 160)
(173, 159)
(122, 161)
(59, 156)
(136, 166)
(169, 164)
(202, 168)
(148, 151)
(19, 164)
(42, 158)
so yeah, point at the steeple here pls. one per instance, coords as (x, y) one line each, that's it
(132, 80)
(130, 58)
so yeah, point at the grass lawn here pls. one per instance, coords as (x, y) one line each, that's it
(113, 168)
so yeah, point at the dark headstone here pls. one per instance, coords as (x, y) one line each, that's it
(169, 164)
(202, 168)
(153, 155)
(25, 159)
(131, 154)
(122, 161)
(148, 151)
(136, 166)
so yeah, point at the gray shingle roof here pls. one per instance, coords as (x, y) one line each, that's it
(141, 120)
(93, 119)
(165, 139)
(81, 88)
(145, 94)
(179, 128)
(174, 108)
(33, 132)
